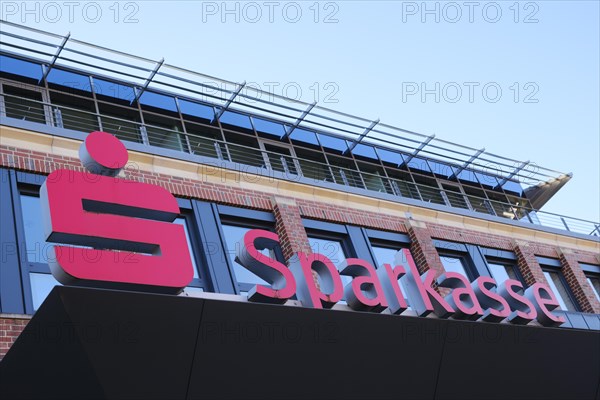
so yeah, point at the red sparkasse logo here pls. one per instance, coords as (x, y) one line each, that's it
(118, 216)
(114, 215)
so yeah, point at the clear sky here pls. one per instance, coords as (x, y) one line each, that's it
(373, 59)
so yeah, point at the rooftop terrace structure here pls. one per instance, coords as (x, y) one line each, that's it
(66, 87)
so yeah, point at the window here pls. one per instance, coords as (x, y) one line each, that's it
(455, 196)
(164, 132)
(35, 242)
(465, 259)
(313, 164)
(200, 282)
(206, 141)
(41, 286)
(454, 264)
(344, 171)
(385, 255)
(280, 157)
(74, 112)
(20, 68)
(234, 239)
(502, 272)
(594, 282)
(268, 128)
(37, 251)
(24, 103)
(560, 290)
(332, 249)
(123, 122)
(244, 149)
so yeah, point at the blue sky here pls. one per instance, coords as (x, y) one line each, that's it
(368, 58)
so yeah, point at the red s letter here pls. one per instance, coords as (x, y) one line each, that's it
(110, 214)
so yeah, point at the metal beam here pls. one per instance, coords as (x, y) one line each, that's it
(512, 174)
(138, 93)
(421, 147)
(230, 100)
(362, 136)
(55, 58)
(468, 162)
(300, 119)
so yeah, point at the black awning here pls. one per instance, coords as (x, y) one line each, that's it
(90, 343)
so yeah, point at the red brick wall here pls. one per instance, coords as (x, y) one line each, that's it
(10, 329)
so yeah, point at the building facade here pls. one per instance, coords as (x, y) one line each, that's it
(323, 182)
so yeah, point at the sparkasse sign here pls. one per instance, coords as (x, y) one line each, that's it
(117, 215)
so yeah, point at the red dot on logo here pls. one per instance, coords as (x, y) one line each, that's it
(104, 154)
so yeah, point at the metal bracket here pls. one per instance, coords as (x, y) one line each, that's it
(55, 58)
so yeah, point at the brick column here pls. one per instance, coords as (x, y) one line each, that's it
(527, 263)
(11, 327)
(288, 225)
(578, 282)
(424, 252)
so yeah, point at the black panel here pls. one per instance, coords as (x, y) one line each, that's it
(91, 343)
(176, 347)
(275, 352)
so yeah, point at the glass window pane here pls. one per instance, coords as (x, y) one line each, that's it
(332, 143)
(69, 79)
(236, 120)
(112, 89)
(181, 221)
(466, 176)
(35, 241)
(486, 180)
(514, 187)
(385, 255)
(206, 141)
(455, 196)
(418, 164)
(454, 264)
(304, 136)
(269, 127)
(280, 159)
(501, 272)
(158, 101)
(234, 238)
(440, 169)
(41, 285)
(331, 249)
(19, 67)
(390, 157)
(559, 291)
(164, 132)
(202, 111)
(23, 104)
(595, 284)
(75, 113)
(313, 165)
(365, 151)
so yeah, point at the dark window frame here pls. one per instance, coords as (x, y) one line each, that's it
(553, 265)
(245, 218)
(504, 258)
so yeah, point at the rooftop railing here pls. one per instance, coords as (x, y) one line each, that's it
(264, 162)
(144, 75)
